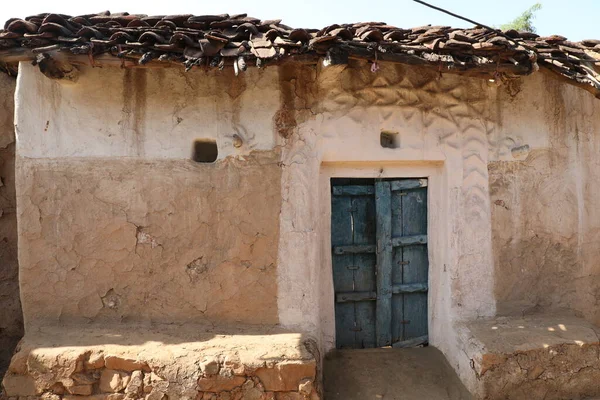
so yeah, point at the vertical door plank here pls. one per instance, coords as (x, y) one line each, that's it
(397, 269)
(341, 234)
(364, 274)
(414, 222)
(383, 205)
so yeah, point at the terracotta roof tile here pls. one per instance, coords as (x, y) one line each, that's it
(213, 40)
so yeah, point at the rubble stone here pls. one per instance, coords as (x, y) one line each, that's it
(286, 376)
(112, 381)
(82, 390)
(220, 383)
(134, 388)
(70, 371)
(253, 394)
(305, 386)
(210, 367)
(95, 361)
(19, 385)
(124, 364)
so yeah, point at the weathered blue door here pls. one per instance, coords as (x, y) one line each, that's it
(380, 264)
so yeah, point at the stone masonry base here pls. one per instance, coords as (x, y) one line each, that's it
(550, 356)
(167, 362)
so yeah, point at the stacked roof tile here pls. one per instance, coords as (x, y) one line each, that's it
(240, 40)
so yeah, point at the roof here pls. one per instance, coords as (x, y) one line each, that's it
(239, 40)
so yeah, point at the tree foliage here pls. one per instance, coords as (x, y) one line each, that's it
(523, 22)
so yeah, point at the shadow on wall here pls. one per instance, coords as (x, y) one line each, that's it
(11, 317)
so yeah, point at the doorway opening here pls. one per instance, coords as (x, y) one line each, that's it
(380, 262)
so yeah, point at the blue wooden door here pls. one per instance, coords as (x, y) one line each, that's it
(380, 263)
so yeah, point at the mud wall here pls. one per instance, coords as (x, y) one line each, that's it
(512, 197)
(545, 197)
(11, 319)
(441, 128)
(116, 223)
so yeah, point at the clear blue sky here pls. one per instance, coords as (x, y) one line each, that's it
(576, 19)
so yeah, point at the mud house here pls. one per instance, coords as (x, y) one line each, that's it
(208, 205)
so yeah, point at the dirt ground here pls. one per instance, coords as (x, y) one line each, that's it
(391, 374)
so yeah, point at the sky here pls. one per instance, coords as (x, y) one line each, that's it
(575, 19)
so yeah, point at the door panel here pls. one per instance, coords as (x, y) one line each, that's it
(379, 230)
(343, 281)
(363, 215)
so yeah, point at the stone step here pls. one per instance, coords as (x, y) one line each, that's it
(160, 362)
(552, 355)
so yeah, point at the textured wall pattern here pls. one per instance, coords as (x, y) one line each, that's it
(435, 117)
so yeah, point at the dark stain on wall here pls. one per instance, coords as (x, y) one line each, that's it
(134, 107)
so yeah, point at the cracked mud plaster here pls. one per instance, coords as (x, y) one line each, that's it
(11, 319)
(161, 241)
(564, 371)
(545, 210)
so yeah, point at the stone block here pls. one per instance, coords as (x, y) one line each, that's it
(305, 386)
(253, 394)
(19, 385)
(125, 364)
(81, 390)
(543, 355)
(154, 395)
(136, 383)
(95, 361)
(18, 363)
(220, 383)
(112, 381)
(210, 367)
(286, 377)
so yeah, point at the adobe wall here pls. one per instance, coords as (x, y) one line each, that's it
(545, 201)
(116, 223)
(11, 320)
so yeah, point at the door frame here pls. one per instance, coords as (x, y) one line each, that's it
(437, 223)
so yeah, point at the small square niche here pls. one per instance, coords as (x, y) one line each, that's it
(205, 151)
(389, 140)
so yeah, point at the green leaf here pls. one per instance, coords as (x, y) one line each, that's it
(523, 22)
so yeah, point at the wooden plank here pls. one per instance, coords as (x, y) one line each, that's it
(397, 268)
(354, 190)
(414, 222)
(409, 240)
(383, 205)
(368, 248)
(417, 341)
(410, 288)
(363, 213)
(354, 249)
(341, 233)
(342, 297)
(405, 184)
